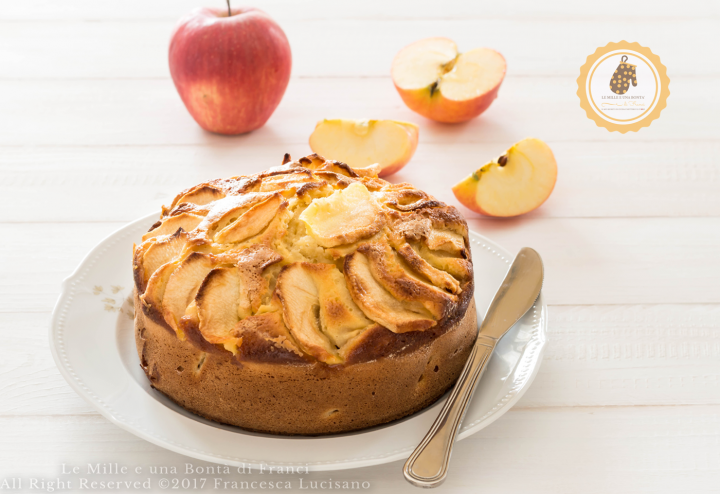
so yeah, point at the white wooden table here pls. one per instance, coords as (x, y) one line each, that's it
(93, 135)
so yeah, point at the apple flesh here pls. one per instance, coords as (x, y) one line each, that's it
(362, 143)
(439, 83)
(231, 71)
(516, 183)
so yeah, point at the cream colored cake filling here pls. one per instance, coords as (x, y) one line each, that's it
(344, 217)
(329, 252)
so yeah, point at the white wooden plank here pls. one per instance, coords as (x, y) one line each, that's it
(369, 10)
(346, 47)
(627, 179)
(30, 383)
(596, 356)
(595, 450)
(588, 261)
(57, 248)
(618, 261)
(629, 355)
(149, 112)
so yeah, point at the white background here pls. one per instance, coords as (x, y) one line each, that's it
(93, 135)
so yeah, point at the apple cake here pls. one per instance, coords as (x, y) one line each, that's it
(312, 298)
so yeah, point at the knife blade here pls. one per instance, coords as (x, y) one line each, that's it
(516, 295)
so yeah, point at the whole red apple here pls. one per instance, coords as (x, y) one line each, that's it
(231, 70)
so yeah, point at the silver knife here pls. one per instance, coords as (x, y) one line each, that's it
(428, 464)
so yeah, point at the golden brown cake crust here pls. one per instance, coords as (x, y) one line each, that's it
(302, 397)
(308, 299)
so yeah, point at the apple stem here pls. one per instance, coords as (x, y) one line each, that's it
(229, 11)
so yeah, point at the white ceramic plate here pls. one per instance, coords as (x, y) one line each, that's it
(92, 341)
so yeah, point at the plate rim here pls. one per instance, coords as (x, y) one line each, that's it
(528, 367)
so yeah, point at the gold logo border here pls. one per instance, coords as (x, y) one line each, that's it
(663, 90)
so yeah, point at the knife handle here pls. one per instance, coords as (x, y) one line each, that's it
(427, 466)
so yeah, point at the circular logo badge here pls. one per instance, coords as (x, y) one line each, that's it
(623, 87)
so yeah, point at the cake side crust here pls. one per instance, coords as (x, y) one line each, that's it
(303, 397)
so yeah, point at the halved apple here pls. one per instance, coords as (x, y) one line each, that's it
(515, 183)
(362, 143)
(439, 83)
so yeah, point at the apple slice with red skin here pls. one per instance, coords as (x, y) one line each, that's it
(231, 70)
(362, 143)
(516, 183)
(439, 83)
